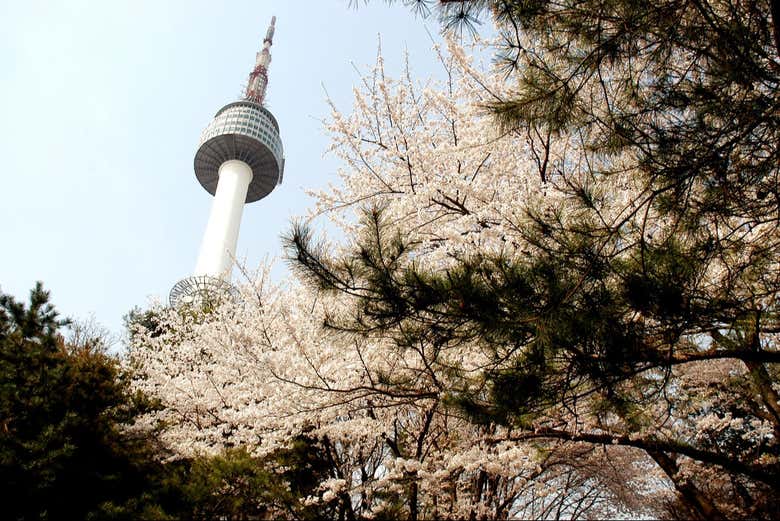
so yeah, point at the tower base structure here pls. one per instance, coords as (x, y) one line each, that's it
(202, 291)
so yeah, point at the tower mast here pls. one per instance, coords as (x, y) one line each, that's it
(258, 78)
(240, 159)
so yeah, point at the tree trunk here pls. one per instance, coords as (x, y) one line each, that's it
(697, 503)
(769, 396)
(413, 492)
(775, 8)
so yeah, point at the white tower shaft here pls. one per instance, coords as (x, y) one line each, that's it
(219, 241)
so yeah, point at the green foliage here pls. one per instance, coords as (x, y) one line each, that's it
(232, 484)
(237, 485)
(63, 454)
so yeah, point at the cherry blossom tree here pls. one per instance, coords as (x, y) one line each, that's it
(292, 360)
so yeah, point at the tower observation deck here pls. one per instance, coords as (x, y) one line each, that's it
(240, 159)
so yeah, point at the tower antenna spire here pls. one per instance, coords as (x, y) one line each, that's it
(258, 78)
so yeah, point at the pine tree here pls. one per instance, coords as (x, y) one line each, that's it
(64, 453)
(642, 311)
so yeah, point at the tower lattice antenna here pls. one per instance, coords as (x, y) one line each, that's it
(258, 78)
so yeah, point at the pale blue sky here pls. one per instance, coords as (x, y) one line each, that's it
(102, 104)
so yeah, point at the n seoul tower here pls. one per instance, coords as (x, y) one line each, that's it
(240, 159)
